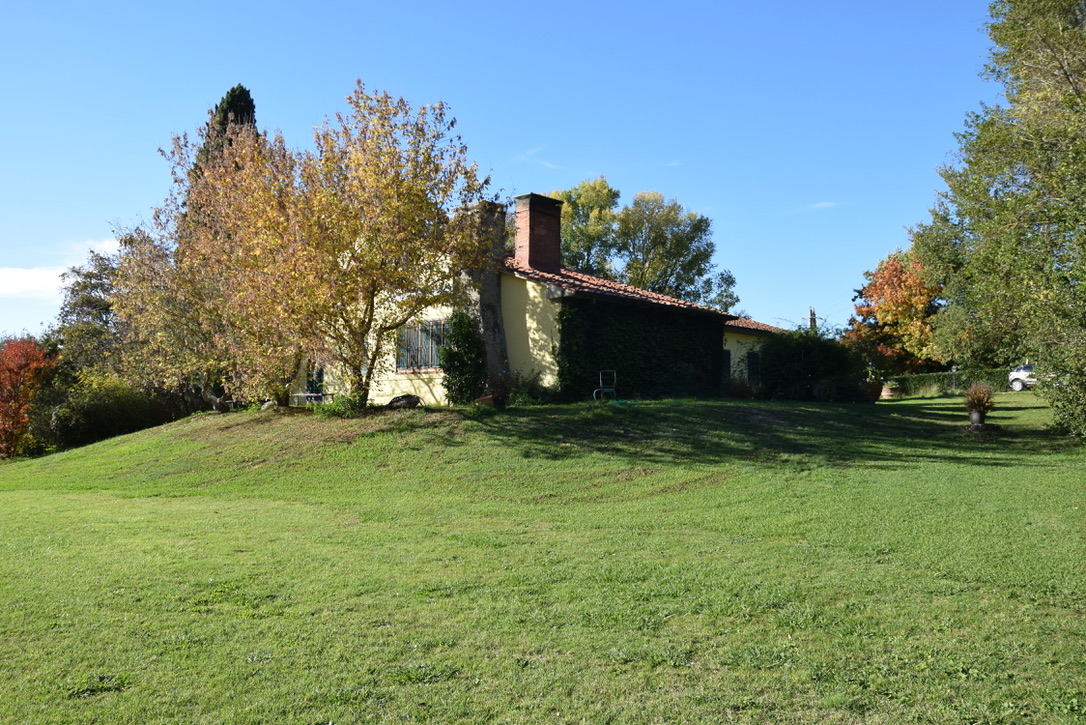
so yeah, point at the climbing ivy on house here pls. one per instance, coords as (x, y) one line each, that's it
(655, 351)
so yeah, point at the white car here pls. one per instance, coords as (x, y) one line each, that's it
(1021, 377)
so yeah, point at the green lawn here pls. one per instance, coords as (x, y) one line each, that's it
(674, 562)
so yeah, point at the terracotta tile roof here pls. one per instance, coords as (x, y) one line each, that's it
(745, 324)
(580, 283)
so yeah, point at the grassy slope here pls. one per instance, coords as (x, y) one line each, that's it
(709, 562)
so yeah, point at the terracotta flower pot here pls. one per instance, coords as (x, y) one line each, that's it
(869, 392)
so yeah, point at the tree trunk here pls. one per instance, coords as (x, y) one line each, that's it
(284, 385)
(220, 404)
(488, 296)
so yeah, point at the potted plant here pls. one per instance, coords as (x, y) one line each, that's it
(890, 389)
(870, 390)
(978, 401)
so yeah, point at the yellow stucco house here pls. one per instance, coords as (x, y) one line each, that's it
(742, 339)
(563, 327)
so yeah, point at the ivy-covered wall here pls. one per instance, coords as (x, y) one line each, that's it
(655, 351)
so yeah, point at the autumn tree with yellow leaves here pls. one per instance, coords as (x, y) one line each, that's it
(269, 256)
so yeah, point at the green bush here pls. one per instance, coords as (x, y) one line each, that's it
(923, 384)
(463, 359)
(529, 390)
(1069, 412)
(94, 406)
(1061, 380)
(343, 406)
(801, 365)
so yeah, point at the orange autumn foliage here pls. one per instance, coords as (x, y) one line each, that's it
(24, 366)
(893, 315)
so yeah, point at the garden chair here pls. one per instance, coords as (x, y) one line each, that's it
(607, 385)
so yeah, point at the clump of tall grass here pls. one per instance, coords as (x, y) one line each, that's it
(978, 398)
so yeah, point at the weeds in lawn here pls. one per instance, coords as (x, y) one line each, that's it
(94, 685)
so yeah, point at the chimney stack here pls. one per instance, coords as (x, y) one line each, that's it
(539, 232)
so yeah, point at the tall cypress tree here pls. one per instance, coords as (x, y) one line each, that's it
(236, 107)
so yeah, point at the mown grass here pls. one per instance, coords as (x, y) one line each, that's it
(668, 562)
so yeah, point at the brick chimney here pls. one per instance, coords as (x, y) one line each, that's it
(539, 232)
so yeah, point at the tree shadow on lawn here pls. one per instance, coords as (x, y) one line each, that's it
(887, 434)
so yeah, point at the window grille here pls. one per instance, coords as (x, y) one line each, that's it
(419, 344)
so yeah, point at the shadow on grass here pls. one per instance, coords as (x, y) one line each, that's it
(886, 434)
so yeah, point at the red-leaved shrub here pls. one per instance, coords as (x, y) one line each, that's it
(24, 366)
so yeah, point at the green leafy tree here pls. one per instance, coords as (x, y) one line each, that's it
(1007, 239)
(663, 248)
(589, 222)
(90, 336)
(980, 249)
(92, 396)
(653, 244)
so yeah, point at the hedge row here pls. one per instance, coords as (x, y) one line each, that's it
(949, 382)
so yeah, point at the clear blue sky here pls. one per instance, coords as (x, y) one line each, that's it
(810, 133)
